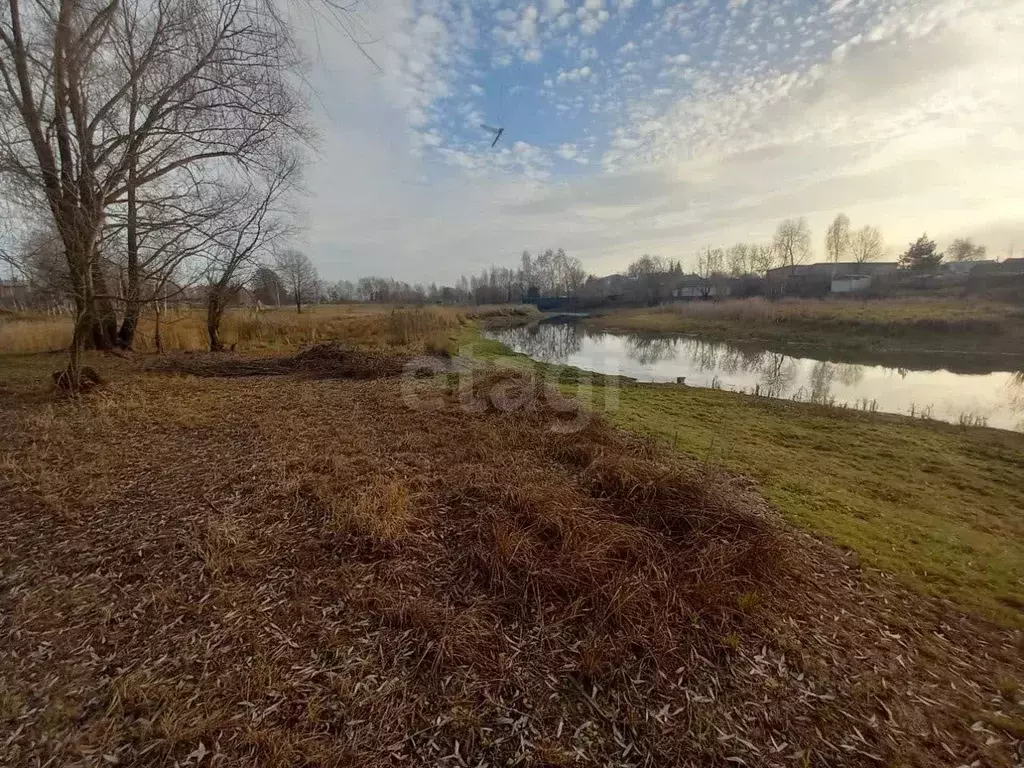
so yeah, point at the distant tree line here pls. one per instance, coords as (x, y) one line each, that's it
(550, 273)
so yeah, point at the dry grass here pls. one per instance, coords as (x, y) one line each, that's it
(330, 360)
(382, 510)
(26, 332)
(370, 325)
(845, 321)
(280, 571)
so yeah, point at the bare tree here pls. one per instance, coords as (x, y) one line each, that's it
(298, 273)
(837, 238)
(792, 242)
(252, 224)
(964, 249)
(739, 259)
(37, 259)
(711, 269)
(99, 99)
(762, 258)
(649, 271)
(866, 244)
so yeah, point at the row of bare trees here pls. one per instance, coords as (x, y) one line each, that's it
(790, 246)
(550, 273)
(149, 143)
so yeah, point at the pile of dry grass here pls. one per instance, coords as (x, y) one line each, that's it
(303, 572)
(330, 360)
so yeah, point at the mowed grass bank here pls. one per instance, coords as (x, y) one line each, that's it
(939, 506)
(911, 324)
(410, 328)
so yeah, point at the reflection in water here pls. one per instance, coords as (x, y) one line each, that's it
(822, 376)
(777, 374)
(547, 342)
(995, 398)
(647, 350)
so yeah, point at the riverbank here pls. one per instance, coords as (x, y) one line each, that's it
(967, 335)
(935, 504)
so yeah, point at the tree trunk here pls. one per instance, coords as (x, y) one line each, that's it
(130, 322)
(71, 379)
(102, 317)
(133, 305)
(158, 340)
(214, 312)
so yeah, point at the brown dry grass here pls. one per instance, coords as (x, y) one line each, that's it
(413, 328)
(284, 571)
(919, 323)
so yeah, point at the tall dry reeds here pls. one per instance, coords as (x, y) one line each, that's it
(412, 328)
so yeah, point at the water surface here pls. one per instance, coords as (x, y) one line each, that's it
(994, 399)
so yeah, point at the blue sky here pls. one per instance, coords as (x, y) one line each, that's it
(651, 126)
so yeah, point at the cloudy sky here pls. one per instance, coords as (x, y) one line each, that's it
(653, 126)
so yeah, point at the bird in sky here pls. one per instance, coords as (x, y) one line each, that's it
(496, 131)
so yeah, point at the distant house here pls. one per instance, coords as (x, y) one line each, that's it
(846, 276)
(610, 288)
(854, 284)
(835, 270)
(696, 287)
(1006, 267)
(959, 267)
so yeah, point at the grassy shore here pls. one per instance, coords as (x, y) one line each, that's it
(936, 504)
(944, 327)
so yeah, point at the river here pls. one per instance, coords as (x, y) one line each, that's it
(994, 399)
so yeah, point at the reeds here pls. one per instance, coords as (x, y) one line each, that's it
(185, 330)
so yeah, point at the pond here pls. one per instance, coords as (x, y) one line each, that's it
(994, 399)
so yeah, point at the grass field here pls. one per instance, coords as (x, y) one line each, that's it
(270, 329)
(315, 558)
(908, 325)
(936, 504)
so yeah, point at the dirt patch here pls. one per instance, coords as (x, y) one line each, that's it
(316, 573)
(331, 360)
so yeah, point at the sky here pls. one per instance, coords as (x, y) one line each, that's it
(653, 126)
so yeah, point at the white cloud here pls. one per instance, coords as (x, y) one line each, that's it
(573, 75)
(567, 151)
(556, 7)
(906, 115)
